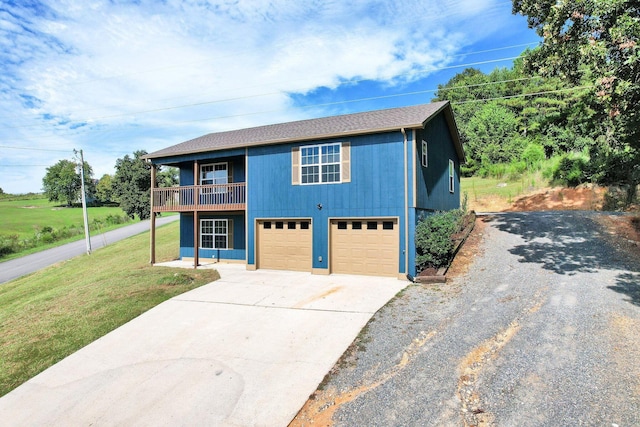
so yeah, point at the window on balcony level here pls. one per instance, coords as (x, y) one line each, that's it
(216, 173)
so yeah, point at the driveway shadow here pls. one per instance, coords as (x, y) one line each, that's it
(569, 242)
(628, 284)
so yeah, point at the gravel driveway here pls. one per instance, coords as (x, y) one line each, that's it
(543, 330)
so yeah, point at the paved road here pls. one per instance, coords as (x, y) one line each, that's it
(19, 267)
(541, 331)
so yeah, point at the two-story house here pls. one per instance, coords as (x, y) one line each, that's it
(339, 194)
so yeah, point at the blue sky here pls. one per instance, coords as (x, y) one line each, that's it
(112, 77)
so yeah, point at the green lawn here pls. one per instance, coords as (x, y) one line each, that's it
(25, 217)
(50, 314)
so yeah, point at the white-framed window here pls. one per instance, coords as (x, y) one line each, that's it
(216, 234)
(320, 164)
(425, 154)
(452, 174)
(215, 173)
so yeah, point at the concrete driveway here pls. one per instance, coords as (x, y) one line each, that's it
(246, 350)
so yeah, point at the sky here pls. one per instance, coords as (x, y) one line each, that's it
(113, 77)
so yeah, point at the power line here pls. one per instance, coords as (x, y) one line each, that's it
(23, 166)
(353, 101)
(217, 101)
(34, 149)
(278, 82)
(282, 44)
(526, 94)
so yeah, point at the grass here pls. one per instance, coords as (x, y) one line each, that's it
(478, 188)
(50, 314)
(24, 217)
(27, 217)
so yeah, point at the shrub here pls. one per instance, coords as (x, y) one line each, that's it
(533, 155)
(47, 238)
(8, 244)
(516, 169)
(571, 170)
(116, 219)
(434, 245)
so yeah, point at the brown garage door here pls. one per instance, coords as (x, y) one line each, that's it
(365, 246)
(284, 244)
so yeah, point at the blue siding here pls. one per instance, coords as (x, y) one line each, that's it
(237, 168)
(376, 189)
(186, 174)
(239, 237)
(433, 181)
(209, 156)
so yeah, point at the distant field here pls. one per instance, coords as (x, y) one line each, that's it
(24, 217)
(30, 225)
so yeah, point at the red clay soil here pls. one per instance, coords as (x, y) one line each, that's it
(624, 231)
(560, 199)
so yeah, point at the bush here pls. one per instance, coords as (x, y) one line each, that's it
(571, 170)
(533, 155)
(8, 244)
(434, 245)
(116, 219)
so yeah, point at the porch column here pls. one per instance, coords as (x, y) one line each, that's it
(152, 217)
(196, 226)
(196, 238)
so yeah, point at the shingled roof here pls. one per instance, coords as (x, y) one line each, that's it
(412, 117)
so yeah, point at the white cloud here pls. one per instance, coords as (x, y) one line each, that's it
(108, 76)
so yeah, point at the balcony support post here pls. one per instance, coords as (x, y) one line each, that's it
(196, 226)
(152, 217)
(196, 240)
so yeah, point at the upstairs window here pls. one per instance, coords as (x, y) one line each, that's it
(217, 173)
(452, 173)
(320, 164)
(425, 155)
(214, 174)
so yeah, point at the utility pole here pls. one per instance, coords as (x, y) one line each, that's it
(84, 204)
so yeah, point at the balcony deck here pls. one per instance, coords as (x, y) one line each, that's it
(190, 198)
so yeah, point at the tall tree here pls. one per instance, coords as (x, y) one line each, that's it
(62, 181)
(132, 184)
(104, 188)
(596, 41)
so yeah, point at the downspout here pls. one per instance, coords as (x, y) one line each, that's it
(406, 202)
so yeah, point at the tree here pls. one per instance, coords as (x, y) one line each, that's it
(62, 182)
(132, 185)
(104, 189)
(168, 177)
(493, 136)
(596, 42)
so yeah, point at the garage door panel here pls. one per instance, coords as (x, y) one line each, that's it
(370, 249)
(284, 248)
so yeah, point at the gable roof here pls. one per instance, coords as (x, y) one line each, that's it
(413, 117)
